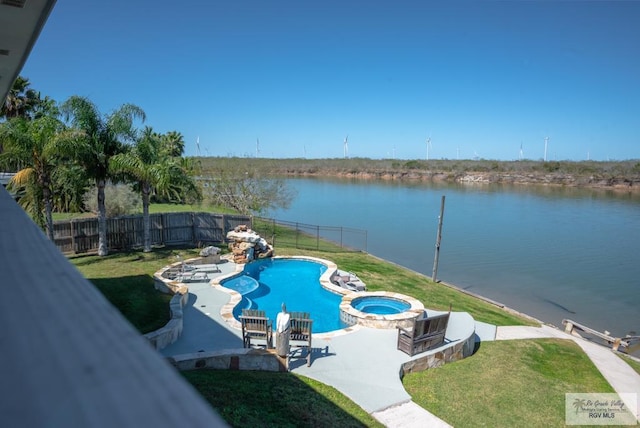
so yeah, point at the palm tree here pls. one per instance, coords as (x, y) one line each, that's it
(103, 137)
(20, 99)
(71, 183)
(148, 164)
(173, 143)
(34, 145)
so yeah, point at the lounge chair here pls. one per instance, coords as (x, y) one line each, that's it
(348, 281)
(256, 326)
(192, 276)
(426, 333)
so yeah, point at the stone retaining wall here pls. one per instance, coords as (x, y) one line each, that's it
(172, 330)
(456, 352)
(232, 359)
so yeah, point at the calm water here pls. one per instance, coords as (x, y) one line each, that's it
(550, 252)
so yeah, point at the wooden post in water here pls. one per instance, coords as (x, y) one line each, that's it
(438, 239)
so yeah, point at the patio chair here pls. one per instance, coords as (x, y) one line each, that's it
(256, 326)
(426, 333)
(301, 326)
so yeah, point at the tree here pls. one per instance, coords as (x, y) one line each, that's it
(173, 144)
(24, 102)
(34, 145)
(249, 192)
(102, 138)
(148, 164)
(20, 100)
(71, 183)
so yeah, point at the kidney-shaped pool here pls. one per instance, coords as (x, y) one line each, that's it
(266, 284)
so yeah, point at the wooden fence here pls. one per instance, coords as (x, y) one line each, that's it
(127, 232)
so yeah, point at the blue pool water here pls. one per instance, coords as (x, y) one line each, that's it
(266, 284)
(380, 305)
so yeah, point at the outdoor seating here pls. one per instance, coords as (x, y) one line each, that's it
(192, 276)
(301, 327)
(211, 268)
(426, 333)
(348, 280)
(256, 326)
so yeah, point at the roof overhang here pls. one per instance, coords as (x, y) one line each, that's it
(20, 24)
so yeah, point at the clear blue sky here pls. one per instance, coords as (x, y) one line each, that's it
(480, 78)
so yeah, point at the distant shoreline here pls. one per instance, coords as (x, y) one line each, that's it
(620, 176)
(617, 184)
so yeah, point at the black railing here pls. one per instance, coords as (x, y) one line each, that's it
(311, 236)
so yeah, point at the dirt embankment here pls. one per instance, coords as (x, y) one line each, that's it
(554, 179)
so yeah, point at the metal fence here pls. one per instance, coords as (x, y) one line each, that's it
(310, 236)
(127, 232)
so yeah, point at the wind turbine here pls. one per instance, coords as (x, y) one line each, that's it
(257, 147)
(198, 145)
(346, 147)
(521, 153)
(428, 145)
(546, 142)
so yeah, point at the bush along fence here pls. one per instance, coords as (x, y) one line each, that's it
(309, 236)
(127, 232)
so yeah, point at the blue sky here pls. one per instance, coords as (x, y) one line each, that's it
(480, 78)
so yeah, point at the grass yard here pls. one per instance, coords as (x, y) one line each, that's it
(383, 276)
(154, 209)
(203, 207)
(267, 399)
(126, 280)
(513, 383)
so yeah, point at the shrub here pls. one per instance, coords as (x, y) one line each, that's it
(413, 164)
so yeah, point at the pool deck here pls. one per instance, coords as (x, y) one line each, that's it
(364, 364)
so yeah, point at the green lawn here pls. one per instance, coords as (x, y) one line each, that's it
(126, 280)
(268, 399)
(515, 383)
(380, 275)
(155, 208)
(170, 208)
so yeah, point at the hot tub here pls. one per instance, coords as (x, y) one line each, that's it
(379, 309)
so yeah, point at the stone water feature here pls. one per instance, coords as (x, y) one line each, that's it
(246, 245)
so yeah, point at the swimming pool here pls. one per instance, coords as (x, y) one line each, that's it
(266, 284)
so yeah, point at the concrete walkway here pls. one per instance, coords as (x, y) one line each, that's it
(364, 364)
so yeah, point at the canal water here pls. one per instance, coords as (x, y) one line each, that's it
(553, 253)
